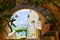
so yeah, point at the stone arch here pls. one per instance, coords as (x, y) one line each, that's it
(45, 27)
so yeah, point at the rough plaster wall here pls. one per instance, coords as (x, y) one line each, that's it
(56, 12)
(58, 26)
(4, 31)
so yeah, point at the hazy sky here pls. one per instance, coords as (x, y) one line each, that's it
(22, 17)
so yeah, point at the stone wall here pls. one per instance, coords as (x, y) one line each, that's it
(56, 11)
(45, 27)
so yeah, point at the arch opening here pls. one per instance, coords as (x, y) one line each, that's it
(26, 23)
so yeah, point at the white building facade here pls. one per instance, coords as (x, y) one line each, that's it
(34, 23)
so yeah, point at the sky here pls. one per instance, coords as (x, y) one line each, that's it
(22, 17)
